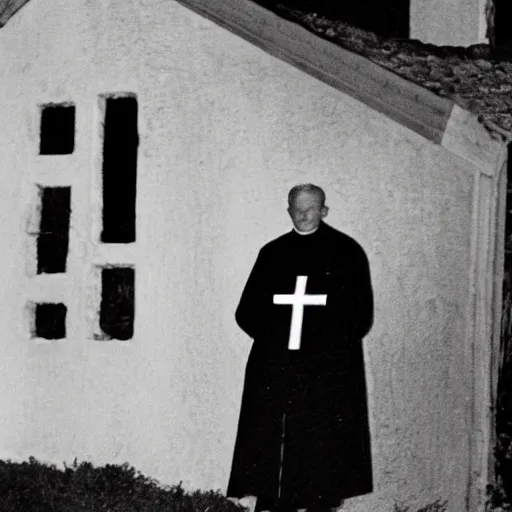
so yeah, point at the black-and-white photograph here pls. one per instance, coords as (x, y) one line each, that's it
(256, 256)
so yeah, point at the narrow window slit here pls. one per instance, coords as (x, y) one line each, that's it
(50, 321)
(57, 136)
(117, 303)
(120, 144)
(53, 236)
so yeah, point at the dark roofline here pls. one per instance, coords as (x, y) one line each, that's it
(8, 8)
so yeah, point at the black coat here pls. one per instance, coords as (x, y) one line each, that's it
(303, 435)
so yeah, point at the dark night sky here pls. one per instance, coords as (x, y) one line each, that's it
(389, 18)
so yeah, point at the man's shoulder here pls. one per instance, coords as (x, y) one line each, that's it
(278, 243)
(326, 234)
(338, 237)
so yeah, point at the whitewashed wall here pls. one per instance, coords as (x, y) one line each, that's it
(225, 131)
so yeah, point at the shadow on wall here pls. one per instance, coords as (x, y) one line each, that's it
(503, 451)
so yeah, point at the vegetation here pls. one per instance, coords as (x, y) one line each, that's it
(36, 487)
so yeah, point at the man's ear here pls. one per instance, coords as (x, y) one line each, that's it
(324, 211)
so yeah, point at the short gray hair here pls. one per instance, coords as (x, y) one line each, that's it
(305, 187)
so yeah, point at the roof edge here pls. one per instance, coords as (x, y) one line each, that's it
(468, 138)
(406, 102)
(8, 8)
(436, 118)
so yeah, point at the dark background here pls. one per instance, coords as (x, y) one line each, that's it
(503, 31)
(389, 18)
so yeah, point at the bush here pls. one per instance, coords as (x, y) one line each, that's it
(496, 499)
(36, 487)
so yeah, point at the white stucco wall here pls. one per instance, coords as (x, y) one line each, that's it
(225, 131)
(453, 22)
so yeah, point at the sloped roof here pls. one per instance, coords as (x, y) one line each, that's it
(478, 78)
(288, 36)
(8, 8)
(364, 67)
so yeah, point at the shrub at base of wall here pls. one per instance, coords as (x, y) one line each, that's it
(34, 486)
(81, 487)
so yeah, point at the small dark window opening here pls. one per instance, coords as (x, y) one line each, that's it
(117, 302)
(57, 135)
(120, 146)
(51, 321)
(53, 237)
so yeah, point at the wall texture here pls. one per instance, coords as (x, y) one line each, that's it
(225, 131)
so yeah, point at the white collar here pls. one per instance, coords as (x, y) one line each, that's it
(305, 233)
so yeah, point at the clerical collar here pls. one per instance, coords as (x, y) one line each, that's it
(305, 233)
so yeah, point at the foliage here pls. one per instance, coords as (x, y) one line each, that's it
(36, 487)
(496, 500)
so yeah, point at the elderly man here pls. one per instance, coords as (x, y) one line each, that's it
(303, 436)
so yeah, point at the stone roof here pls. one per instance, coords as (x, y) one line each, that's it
(478, 78)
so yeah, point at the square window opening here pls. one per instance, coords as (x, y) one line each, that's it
(50, 321)
(57, 134)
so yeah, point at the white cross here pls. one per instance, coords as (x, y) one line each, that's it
(298, 300)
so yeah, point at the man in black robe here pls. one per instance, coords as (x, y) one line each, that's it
(303, 435)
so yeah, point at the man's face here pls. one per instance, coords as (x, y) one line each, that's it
(307, 211)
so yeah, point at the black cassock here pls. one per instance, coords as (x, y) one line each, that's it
(303, 435)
